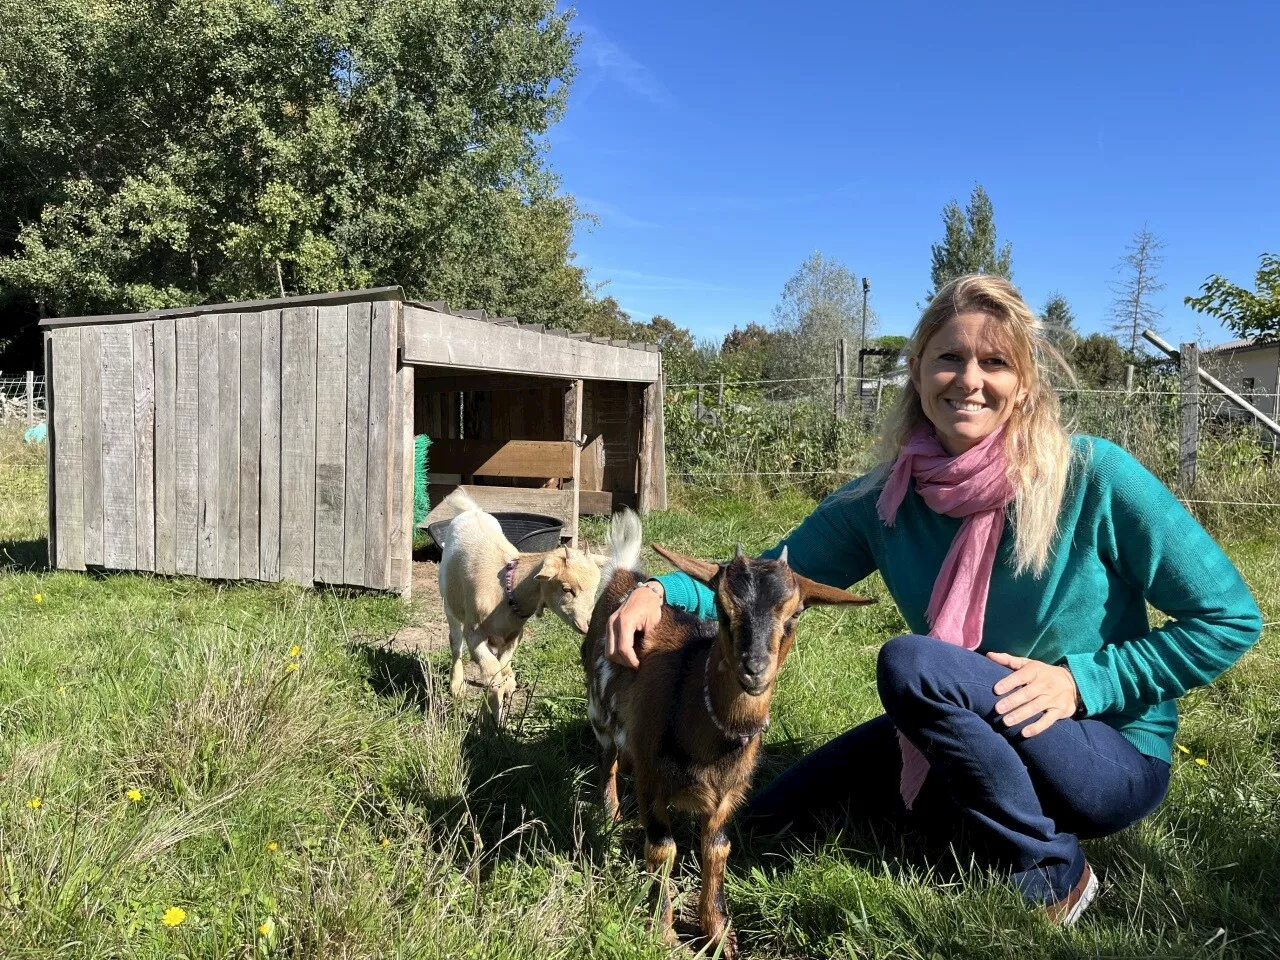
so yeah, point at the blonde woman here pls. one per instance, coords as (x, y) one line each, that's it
(1033, 705)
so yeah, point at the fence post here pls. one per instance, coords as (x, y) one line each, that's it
(1189, 432)
(842, 357)
(1128, 377)
(699, 409)
(31, 398)
(720, 393)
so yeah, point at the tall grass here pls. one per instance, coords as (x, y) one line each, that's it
(333, 801)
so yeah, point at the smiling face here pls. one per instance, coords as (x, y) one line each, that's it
(966, 380)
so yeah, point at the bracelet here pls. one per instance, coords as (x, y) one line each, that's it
(641, 586)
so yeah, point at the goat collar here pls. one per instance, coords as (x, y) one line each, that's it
(509, 589)
(741, 739)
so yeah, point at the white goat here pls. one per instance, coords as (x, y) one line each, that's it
(490, 590)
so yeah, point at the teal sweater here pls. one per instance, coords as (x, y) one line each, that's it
(1123, 541)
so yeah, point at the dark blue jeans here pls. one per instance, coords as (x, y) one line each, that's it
(1022, 804)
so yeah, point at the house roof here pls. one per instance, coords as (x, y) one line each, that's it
(1242, 346)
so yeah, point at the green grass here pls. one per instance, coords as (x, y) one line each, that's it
(404, 826)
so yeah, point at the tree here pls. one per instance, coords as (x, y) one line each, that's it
(1133, 309)
(749, 353)
(969, 243)
(1099, 361)
(879, 366)
(1251, 314)
(820, 304)
(1059, 321)
(682, 359)
(166, 154)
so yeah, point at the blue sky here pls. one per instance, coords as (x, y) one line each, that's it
(720, 143)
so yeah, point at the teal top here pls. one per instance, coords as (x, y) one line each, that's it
(1123, 541)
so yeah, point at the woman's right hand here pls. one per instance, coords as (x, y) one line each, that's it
(639, 613)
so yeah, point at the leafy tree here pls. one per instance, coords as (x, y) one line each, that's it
(157, 155)
(1059, 321)
(969, 243)
(749, 353)
(1133, 309)
(1099, 361)
(879, 366)
(820, 304)
(683, 360)
(1249, 313)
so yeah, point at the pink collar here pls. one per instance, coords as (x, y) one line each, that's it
(509, 588)
(741, 739)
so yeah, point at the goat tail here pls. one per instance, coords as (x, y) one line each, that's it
(624, 542)
(461, 501)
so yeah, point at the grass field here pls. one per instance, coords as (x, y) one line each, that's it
(241, 754)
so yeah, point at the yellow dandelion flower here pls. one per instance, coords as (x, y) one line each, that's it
(38, 597)
(174, 916)
(35, 803)
(134, 795)
(1182, 748)
(63, 691)
(290, 668)
(295, 650)
(264, 928)
(272, 846)
(1201, 761)
(385, 843)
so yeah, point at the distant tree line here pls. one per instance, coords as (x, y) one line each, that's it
(159, 155)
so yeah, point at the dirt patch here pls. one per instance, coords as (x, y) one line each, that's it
(428, 632)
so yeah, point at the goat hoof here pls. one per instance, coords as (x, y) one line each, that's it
(726, 942)
(666, 931)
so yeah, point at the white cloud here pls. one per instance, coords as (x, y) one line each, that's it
(610, 60)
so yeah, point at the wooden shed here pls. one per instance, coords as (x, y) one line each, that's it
(273, 440)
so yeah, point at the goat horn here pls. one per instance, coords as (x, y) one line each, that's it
(782, 557)
(737, 552)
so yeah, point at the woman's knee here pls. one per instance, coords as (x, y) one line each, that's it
(901, 665)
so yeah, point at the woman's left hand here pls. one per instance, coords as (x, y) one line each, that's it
(1034, 688)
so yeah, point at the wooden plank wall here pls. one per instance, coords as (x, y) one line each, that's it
(611, 415)
(613, 412)
(272, 445)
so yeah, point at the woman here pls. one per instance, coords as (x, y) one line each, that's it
(1032, 703)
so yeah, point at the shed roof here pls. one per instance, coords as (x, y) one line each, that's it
(337, 299)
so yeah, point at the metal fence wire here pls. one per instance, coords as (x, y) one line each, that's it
(753, 437)
(23, 400)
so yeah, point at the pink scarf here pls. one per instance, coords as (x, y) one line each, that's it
(975, 486)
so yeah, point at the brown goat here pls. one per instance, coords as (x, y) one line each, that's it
(687, 723)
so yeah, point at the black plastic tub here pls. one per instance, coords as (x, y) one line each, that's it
(528, 532)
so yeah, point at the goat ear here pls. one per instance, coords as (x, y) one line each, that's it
(813, 594)
(550, 569)
(702, 570)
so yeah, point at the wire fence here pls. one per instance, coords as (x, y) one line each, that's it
(22, 399)
(742, 435)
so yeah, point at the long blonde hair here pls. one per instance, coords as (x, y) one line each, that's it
(1036, 444)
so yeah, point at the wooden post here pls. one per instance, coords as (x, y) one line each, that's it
(50, 466)
(649, 492)
(1189, 433)
(1128, 377)
(31, 398)
(699, 407)
(862, 406)
(720, 394)
(842, 357)
(573, 431)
